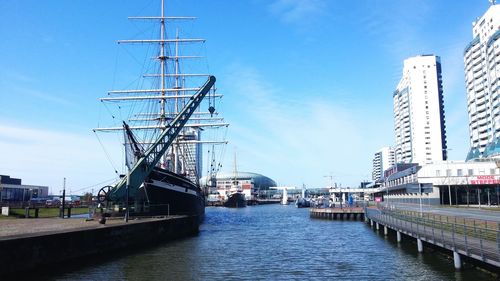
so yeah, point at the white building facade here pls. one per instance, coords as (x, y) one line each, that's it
(419, 123)
(446, 183)
(482, 81)
(382, 160)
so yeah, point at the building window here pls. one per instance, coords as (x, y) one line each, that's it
(459, 172)
(448, 172)
(438, 173)
(492, 171)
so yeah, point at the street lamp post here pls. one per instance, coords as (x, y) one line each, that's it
(448, 180)
(420, 203)
(63, 198)
(448, 175)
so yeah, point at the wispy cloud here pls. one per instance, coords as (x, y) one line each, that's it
(43, 157)
(300, 12)
(299, 140)
(40, 95)
(22, 86)
(397, 29)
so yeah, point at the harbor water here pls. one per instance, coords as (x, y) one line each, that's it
(274, 242)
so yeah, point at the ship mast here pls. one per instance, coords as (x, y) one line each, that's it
(163, 71)
(168, 96)
(175, 147)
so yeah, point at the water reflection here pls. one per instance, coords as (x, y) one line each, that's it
(277, 242)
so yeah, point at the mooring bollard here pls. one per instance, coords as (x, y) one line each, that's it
(36, 212)
(102, 219)
(69, 212)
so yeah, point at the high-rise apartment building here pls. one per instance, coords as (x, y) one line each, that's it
(419, 112)
(482, 81)
(382, 160)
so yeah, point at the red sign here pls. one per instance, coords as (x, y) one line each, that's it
(247, 186)
(485, 180)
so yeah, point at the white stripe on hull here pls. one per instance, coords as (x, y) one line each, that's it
(174, 187)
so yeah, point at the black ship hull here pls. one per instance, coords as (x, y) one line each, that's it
(236, 200)
(166, 193)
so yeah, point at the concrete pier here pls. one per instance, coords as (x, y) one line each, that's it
(474, 238)
(355, 213)
(457, 261)
(31, 244)
(420, 246)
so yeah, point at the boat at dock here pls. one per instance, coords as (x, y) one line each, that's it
(302, 203)
(235, 198)
(162, 129)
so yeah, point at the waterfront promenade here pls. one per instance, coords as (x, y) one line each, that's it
(474, 212)
(470, 233)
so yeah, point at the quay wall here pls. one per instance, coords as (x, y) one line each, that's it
(24, 253)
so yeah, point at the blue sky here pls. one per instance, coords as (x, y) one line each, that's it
(308, 83)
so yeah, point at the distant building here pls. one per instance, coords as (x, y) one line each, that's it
(382, 160)
(252, 184)
(445, 183)
(419, 124)
(12, 190)
(482, 81)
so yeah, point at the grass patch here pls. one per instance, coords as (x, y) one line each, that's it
(47, 212)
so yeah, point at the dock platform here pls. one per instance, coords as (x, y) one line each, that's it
(348, 213)
(28, 244)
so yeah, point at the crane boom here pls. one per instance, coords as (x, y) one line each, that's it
(144, 166)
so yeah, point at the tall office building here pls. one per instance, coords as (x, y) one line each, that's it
(382, 160)
(419, 112)
(482, 80)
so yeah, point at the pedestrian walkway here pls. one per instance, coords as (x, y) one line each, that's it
(471, 237)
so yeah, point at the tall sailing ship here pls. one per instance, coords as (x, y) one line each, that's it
(162, 124)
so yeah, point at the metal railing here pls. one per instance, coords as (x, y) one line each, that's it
(478, 239)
